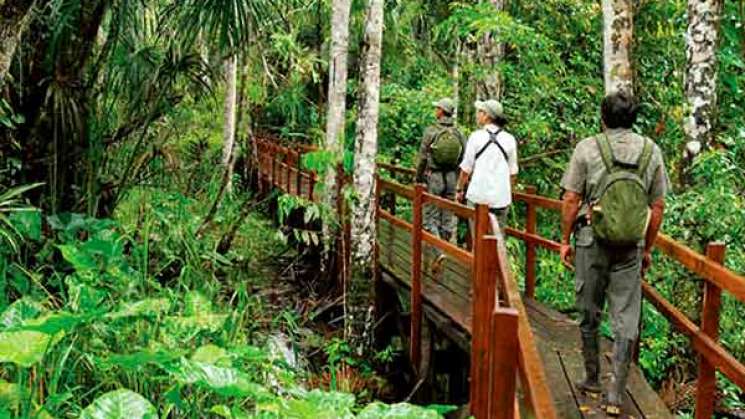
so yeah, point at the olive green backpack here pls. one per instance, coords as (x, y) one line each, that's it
(447, 149)
(620, 213)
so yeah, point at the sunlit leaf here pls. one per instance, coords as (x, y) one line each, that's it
(26, 348)
(211, 354)
(120, 404)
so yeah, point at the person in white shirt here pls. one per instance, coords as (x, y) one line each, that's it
(490, 164)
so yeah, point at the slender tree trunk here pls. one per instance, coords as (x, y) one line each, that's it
(336, 99)
(489, 54)
(702, 39)
(359, 298)
(228, 139)
(12, 23)
(618, 34)
(456, 79)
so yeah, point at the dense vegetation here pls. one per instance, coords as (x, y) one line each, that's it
(118, 289)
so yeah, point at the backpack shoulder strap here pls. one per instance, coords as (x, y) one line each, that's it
(606, 153)
(645, 158)
(492, 140)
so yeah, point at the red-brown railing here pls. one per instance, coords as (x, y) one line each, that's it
(717, 278)
(502, 343)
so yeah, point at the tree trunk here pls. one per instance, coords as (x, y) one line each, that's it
(336, 99)
(12, 23)
(359, 298)
(228, 137)
(618, 31)
(489, 54)
(702, 39)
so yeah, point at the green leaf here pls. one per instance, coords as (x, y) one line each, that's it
(137, 360)
(27, 223)
(146, 307)
(20, 311)
(10, 395)
(120, 404)
(196, 303)
(223, 381)
(320, 404)
(377, 410)
(26, 348)
(211, 354)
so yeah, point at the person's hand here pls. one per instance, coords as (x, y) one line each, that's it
(459, 196)
(567, 256)
(646, 261)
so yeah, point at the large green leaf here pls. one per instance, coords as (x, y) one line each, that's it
(221, 380)
(25, 348)
(120, 404)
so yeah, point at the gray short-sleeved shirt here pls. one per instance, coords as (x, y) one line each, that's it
(586, 167)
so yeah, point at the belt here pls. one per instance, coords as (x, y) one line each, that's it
(496, 211)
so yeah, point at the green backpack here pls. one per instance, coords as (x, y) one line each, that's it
(446, 149)
(620, 214)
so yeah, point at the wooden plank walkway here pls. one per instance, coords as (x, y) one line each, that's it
(446, 296)
(542, 345)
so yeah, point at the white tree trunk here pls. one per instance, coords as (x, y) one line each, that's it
(13, 19)
(618, 34)
(228, 135)
(360, 297)
(337, 98)
(337, 94)
(702, 39)
(490, 53)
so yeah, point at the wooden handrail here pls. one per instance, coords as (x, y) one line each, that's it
(397, 169)
(397, 188)
(457, 209)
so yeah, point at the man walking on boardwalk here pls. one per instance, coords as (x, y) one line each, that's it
(439, 154)
(613, 203)
(490, 163)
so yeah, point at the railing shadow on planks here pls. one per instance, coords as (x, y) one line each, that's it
(504, 347)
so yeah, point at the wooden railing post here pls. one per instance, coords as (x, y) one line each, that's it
(483, 302)
(707, 384)
(503, 350)
(274, 170)
(416, 279)
(530, 263)
(298, 174)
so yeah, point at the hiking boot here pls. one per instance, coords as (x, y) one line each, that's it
(591, 383)
(621, 361)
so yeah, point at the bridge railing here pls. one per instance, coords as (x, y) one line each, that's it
(709, 267)
(503, 347)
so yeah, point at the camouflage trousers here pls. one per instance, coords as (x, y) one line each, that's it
(436, 220)
(612, 273)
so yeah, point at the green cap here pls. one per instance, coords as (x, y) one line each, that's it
(446, 104)
(492, 108)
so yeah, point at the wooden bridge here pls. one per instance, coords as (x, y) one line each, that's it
(524, 356)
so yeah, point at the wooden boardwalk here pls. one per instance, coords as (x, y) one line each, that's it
(447, 298)
(525, 356)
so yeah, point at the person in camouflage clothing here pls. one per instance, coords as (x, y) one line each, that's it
(440, 180)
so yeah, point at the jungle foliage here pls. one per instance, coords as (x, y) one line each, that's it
(117, 298)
